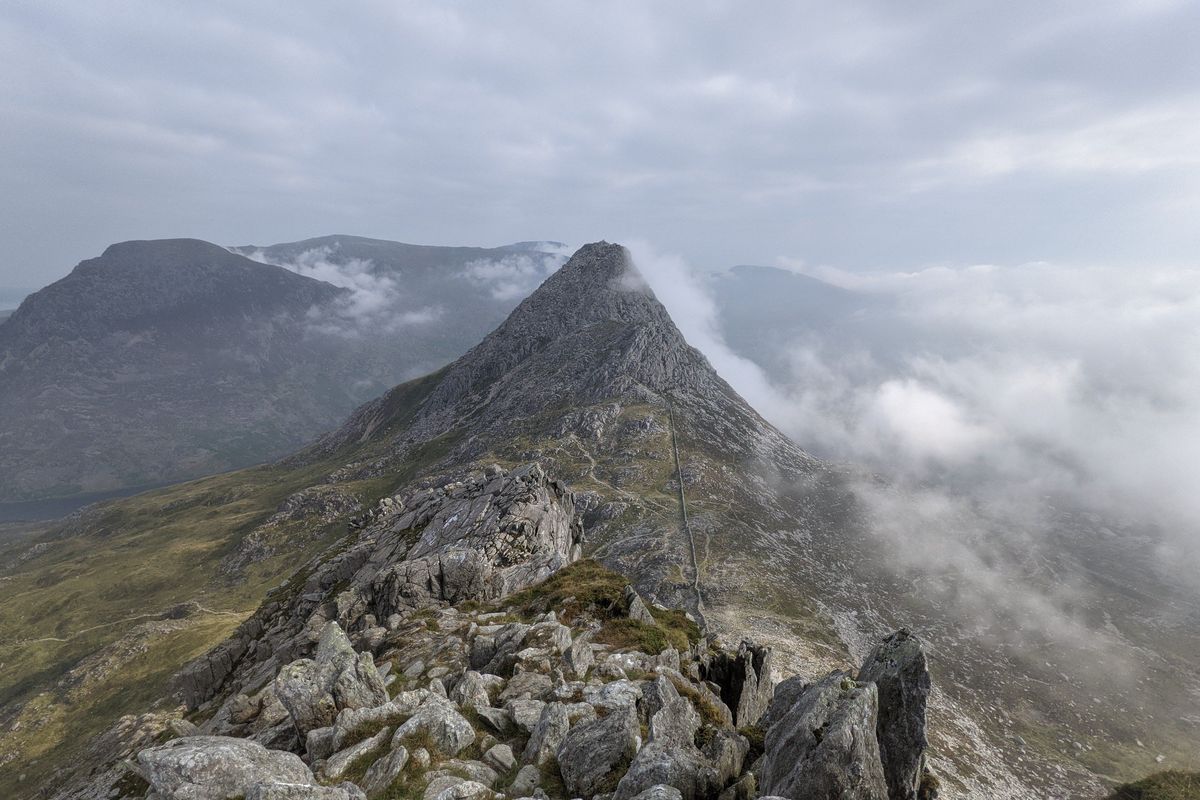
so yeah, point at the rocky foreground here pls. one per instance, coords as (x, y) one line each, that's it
(457, 649)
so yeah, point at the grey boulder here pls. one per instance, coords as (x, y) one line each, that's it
(217, 767)
(897, 668)
(436, 718)
(824, 747)
(547, 734)
(314, 690)
(593, 754)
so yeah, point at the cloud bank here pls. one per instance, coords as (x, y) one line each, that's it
(515, 276)
(1028, 422)
(373, 304)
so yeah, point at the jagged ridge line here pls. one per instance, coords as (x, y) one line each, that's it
(687, 527)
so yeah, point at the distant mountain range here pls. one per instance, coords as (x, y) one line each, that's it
(166, 360)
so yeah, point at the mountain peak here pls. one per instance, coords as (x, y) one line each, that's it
(160, 285)
(593, 334)
(162, 251)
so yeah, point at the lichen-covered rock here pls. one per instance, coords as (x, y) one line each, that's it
(217, 767)
(614, 695)
(536, 685)
(672, 718)
(671, 757)
(897, 668)
(339, 762)
(320, 743)
(384, 772)
(305, 689)
(314, 690)
(437, 718)
(579, 657)
(359, 684)
(726, 750)
(787, 694)
(500, 758)
(467, 790)
(680, 765)
(474, 690)
(637, 609)
(824, 747)
(527, 780)
(524, 713)
(594, 754)
(547, 735)
(660, 791)
(292, 791)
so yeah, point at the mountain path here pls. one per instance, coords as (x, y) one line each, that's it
(687, 527)
(160, 615)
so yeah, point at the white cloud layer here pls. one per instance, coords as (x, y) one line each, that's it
(373, 305)
(1010, 410)
(515, 276)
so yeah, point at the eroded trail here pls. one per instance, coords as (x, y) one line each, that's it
(158, 615)
(687, 528)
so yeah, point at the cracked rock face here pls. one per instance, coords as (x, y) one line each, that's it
(897, 667)
(481, 536)
(824, 746)
(464, 692)
(217, 767)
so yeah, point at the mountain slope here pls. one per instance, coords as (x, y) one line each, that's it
(462, 292)
(165, 360)
(681, 485)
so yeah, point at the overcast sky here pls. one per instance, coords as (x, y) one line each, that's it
(860, 135)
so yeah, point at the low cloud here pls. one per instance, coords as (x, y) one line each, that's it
(1014, 413)
(517, 275)
(1066, 381)
(375, 303)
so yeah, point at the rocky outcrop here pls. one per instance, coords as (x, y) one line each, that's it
(824, 746)
(314, 690)
(218, 767)
(595, 753)
(411, 662)
(746, 678)
(897, 668)
(479, 535)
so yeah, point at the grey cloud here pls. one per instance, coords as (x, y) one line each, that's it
(860, 133)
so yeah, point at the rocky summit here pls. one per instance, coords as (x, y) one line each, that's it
(458, 648)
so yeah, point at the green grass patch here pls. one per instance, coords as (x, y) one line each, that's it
(585, 587)
(629, 634)
(757, 738)
(704, 702)
(1169, 785)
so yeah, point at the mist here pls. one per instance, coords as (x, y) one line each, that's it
(516, 276)
(1014, 429)
(374, 303)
